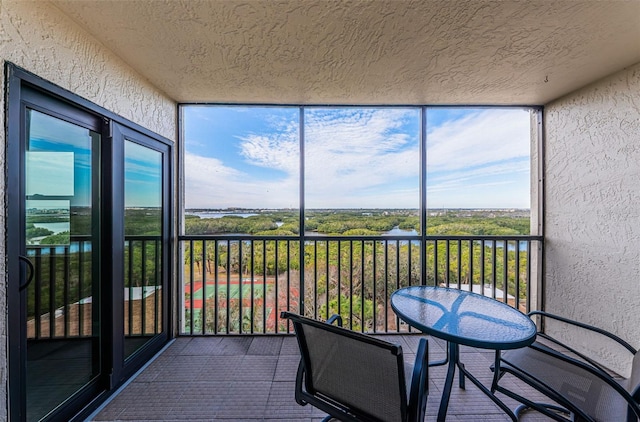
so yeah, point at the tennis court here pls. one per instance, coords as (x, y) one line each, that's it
(232, 291)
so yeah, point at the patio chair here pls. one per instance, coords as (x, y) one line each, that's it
(582, 389)
(357, 377)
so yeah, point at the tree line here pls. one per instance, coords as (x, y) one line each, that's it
(361, 222)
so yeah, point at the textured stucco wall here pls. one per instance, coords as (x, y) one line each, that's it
(592, 207)
(39, 38)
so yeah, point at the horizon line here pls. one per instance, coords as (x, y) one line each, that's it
(231, 209)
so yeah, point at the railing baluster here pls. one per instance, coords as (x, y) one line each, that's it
(203, 310)
(528, 300)
(362, 287)
(252, 293)
(517, 275)
(315, 280)
(67, 277)
(264, 286)
(52, 291)
(37, 293)
(351, 284)
(228, 316)
(505, 264)
(339, 312)
(409, 263)
(276, 297)
(375, 282)
(459, 262)
(216, 286)
(157, 276)
(494, 269)
(191, 287)
(471, 262)
(397, 278)
(328, 281)
(482, 265)
(435, 262)
(128, 285)
(447, 280)
(386, 282)
(240, 273)
(143, 288)
(81, 304)
(288, 281)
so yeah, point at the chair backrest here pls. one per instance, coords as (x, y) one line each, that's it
(356, 372)
(591, 393)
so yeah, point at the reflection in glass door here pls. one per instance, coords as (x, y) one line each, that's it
(61, 244)
(143, 199)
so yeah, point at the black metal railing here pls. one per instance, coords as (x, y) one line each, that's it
(239, 284)
(142, 286)
(61, 294)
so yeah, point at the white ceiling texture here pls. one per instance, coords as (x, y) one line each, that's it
(366, 51)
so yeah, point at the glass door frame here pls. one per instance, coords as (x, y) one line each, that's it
(26, 90)
(125, 367)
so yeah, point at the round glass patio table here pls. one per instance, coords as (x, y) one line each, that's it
(463, 318)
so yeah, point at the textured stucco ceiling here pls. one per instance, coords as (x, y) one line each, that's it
(367, 51)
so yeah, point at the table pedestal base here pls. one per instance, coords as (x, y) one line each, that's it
(453, 361)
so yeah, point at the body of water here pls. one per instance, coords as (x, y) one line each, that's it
(54, 227)
(393, 232)
(396, 231)
(219, 214)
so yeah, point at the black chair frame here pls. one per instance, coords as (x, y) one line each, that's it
(413, 410)
(573, 413)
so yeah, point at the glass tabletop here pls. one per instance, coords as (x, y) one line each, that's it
(463, 317)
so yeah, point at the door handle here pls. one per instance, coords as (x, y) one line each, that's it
(31, 272)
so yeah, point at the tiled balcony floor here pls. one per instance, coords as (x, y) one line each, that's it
(252, 379)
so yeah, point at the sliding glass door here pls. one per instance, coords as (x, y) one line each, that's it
(88, 231)
(145, 209)
(61, 243)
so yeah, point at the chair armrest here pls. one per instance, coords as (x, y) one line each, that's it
(335, 318)
(584, 326)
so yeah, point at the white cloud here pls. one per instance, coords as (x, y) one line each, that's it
(357, 158)
(279, 150)
(362, 158)
(211, 184)
(50, 173)
(487, 136)
(463, 177)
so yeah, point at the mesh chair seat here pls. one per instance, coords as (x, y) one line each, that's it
(575, 382)
(587, 392)
(356, 377)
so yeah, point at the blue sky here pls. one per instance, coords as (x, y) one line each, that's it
(142, 176)
(59, 164)
(355, 157)
(58, 161)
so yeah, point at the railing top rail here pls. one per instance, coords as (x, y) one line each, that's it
(370, 238)
(88, 239)
(142, 237)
